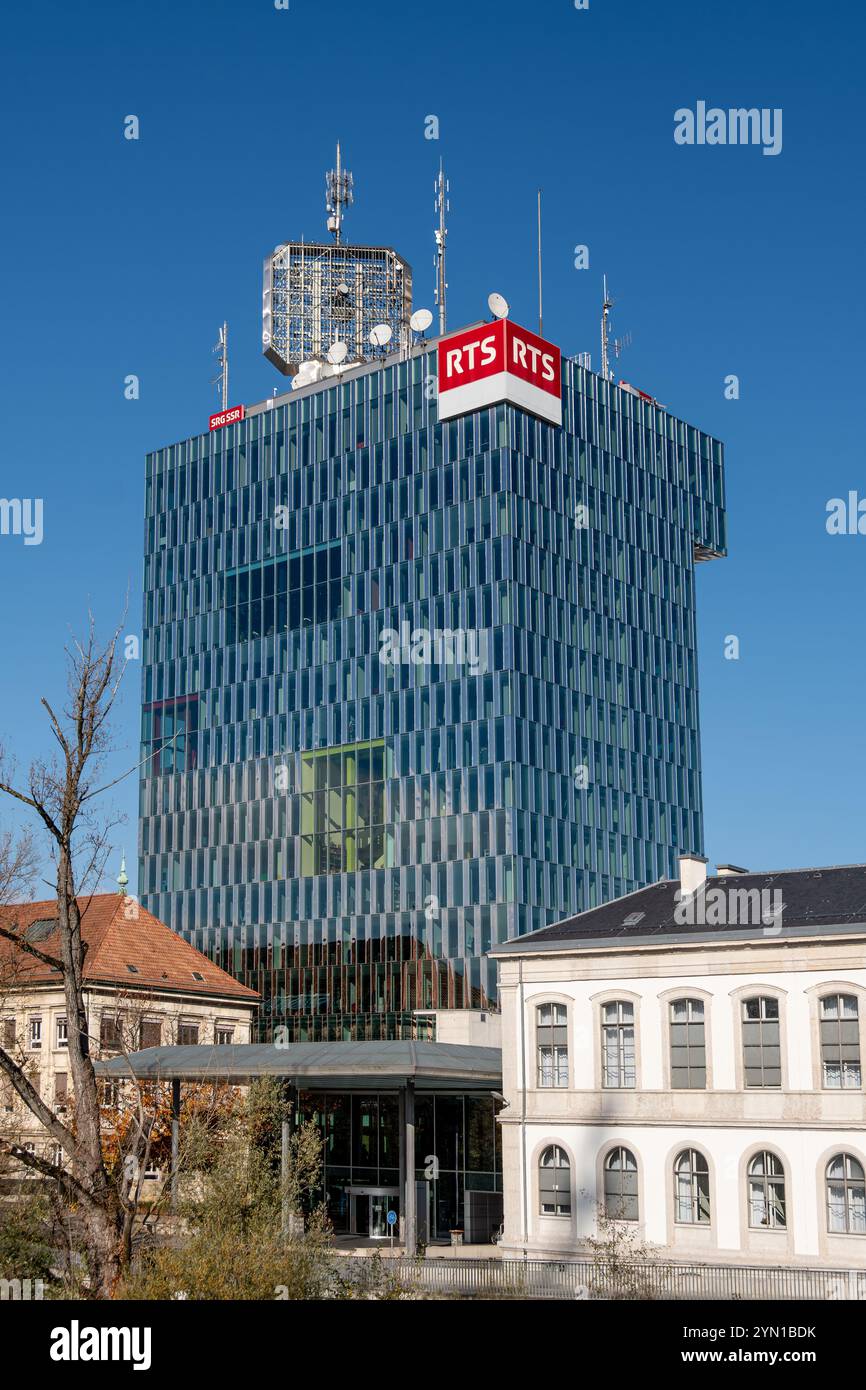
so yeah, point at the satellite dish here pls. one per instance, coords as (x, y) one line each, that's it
(307, 374)
(420, 320)
(342, 288)
(380, 335)
(498, 306)
(337, 352)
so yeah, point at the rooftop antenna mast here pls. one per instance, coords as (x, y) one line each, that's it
(606, 307)
(443, 206)
(221, 380)
(539, 266)
(340, 193)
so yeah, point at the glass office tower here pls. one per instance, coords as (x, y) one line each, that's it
(413, 688)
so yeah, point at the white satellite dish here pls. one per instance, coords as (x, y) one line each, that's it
(307, 373)
(342, 288)
(498, 306)
(337, 352)
(420, 320)
(380, 335)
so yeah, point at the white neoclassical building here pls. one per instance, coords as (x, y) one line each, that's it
(688, 1060)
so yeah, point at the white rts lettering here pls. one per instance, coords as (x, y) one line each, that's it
(520, 350)
(454, 357)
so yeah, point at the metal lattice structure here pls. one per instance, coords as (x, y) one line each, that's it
(316, 293)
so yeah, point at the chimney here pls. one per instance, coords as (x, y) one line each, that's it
(693, 873)
(729, 870)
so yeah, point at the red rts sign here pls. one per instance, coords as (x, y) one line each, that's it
(226, 417)
(499, 362)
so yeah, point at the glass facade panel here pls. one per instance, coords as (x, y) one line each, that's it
(411, 689)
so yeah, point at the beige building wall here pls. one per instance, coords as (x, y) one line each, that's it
(38, 1016)
(471, 1027)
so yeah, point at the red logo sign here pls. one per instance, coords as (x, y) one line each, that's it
(226, 417)
(499, 362)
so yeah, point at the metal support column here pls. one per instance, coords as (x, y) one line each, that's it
(401, 1123)
(175, 1141)
(409, 1145)
(284, 1175)
(289, 1125)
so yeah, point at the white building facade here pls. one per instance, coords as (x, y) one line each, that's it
(701, 1084)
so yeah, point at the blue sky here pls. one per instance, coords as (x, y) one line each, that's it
(123, 256)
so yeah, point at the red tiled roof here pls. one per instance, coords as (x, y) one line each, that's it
(118, 933)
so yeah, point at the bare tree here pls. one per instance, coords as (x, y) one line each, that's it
(60, 792)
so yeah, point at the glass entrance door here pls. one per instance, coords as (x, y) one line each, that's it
(379, 1208)
(370, 1207)
(361, 1203)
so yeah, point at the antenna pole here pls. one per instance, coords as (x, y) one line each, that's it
(222, 379)
(440, 234)
(606, 307)
(340, 194)
(540, 320)
(338, 198)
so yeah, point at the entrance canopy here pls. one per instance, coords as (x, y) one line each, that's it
(327, 1065)
(407, 1068)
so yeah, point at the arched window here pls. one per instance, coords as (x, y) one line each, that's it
(554, 1182)
(846, 1196)
(840, 1042)
(617, 1043)
(691, 1188)
(688, 1045)
(551, 1027)
(762, 1044)
(620, 1186)
(767, 1208)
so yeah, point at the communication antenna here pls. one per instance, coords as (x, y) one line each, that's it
(339, 194)
(539, 265)
(380, 336)
(607, 305)
(221, 380)
(442, 205)
(308, 373)
(620, 344)
(498, 306)
(337, 353)
(421, 321)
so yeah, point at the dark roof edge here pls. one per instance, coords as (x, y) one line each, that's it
(719, 937)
